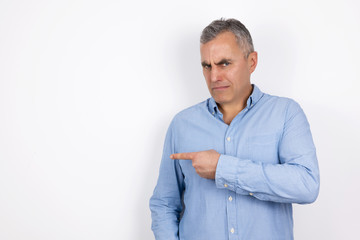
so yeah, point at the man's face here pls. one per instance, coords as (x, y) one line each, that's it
(226, 69)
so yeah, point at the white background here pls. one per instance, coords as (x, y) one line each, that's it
(88, 88)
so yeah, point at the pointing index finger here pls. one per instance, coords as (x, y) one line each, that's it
(184, 156)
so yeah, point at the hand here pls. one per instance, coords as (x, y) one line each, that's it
(204, 162)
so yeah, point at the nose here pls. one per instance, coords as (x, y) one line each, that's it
(215, 74)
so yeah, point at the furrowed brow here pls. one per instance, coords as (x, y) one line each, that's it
(204, 64)
(222, 61)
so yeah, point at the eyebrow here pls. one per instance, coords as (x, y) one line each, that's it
(222, 61)
(204, 64)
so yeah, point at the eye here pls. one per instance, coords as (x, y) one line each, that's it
(225, 64)
(207, 66)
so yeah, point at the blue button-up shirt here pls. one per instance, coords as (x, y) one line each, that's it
(267, 162)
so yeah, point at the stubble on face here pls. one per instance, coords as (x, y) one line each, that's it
(226, 70)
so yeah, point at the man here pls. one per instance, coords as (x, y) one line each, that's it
(233, 165)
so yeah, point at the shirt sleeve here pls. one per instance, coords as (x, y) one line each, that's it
(165, 203)
(294, 180)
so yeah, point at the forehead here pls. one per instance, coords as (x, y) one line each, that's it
(222, 46)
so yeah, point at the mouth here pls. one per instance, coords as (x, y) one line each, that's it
(220, 88)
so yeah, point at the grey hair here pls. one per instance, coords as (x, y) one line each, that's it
(241, 33)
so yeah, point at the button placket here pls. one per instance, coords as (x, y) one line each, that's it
(230, 149)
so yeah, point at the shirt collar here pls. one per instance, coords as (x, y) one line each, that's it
(254, 97)
(251, 101)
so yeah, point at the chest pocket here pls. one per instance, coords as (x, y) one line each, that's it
(263, 148)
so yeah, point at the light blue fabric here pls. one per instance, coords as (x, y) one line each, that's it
(268, 161)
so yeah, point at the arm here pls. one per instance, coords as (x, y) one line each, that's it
(165, 204)
(294, 180)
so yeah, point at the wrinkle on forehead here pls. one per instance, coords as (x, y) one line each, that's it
(224, 46)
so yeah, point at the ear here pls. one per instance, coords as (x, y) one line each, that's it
(252, 61)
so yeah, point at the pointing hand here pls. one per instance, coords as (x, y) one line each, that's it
(204, 162)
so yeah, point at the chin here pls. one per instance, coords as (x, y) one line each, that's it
(220, 100)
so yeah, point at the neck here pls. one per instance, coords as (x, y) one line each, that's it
(230, 110)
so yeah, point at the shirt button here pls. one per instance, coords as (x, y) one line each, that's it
(230, 198)
(232, 230)
(213, 113)
(251, 194)
(225, 185)
(228, 139)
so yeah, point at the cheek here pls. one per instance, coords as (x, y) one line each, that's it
(231, 76)
(207, 77)
(240, 75)
(204, 73)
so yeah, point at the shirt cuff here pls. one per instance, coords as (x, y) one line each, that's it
(228, 176)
